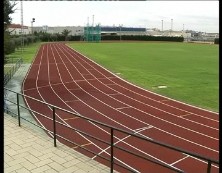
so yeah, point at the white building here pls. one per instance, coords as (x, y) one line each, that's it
(15, 29)
(74, 30)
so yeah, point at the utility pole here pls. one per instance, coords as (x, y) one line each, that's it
(22, 39)
(162, 25)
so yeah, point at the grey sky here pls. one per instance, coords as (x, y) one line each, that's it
(195, 15)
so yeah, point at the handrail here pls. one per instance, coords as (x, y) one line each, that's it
(12, 71)
(112, 145)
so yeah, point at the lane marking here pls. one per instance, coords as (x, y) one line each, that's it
(113, 94)
(73, 118)
(179, 160)
(82, 145)
(123, 107)
(160, 118)
(143, 128)
(214, 165)
(122, 140)
(164, 100)
(186, 115)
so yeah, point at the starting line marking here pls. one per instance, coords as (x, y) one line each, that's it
(82, 145)
(113, 94)
(185, 115)
(73, 118)
(123, 107)
(163, 100)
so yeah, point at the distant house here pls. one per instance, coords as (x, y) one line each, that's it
(15, 29)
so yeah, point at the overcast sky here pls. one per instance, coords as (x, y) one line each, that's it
(193, 15)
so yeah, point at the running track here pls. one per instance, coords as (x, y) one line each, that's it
(63, 77)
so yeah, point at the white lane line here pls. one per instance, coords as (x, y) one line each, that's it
(190, 141)
(185, 115)
(203, 146)
(136, 131)
(179, 160)
(68, 101)
(89, 121)
(125, 107)
(147, 97)
(113, 94)
(143, 128)
(187, 156)
(145, 89)
(151, 114)
(42, 49)
(71, 55)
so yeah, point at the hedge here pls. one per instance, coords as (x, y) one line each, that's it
(216, 41)
(142, 38)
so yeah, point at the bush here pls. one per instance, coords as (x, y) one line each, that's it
(216, 41)
(9, 46)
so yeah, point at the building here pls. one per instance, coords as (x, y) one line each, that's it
(15, 29)
(79, 30)
(120, 30)
(74, 30)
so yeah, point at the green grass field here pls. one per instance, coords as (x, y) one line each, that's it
(190, 71)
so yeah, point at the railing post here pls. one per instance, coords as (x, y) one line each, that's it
(209, 166)
(18, 110)
(111, 154)
(54, 126)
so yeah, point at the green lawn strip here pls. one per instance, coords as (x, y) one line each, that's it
(27, 54)
(190, 71)
(7, 69)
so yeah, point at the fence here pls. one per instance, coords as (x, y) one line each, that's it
(111, 143)
(8, 75)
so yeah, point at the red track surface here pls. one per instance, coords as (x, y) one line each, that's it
(61, 76)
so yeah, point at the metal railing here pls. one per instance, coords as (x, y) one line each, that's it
(111, 144)
(8, 75)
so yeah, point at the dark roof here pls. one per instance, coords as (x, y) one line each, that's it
(17, 26)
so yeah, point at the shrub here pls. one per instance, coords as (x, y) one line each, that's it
(216, 41)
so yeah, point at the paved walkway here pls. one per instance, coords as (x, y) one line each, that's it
(29, 150)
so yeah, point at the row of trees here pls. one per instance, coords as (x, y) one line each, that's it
(8, 9)
(46, 37)
(16, 42)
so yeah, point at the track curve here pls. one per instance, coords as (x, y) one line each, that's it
(64, 77)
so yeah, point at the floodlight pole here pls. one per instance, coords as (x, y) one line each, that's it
(33, 20)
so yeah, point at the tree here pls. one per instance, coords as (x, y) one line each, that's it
(8, 9)
(66, 32)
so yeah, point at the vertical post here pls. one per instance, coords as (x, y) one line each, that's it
(162, 25)
(120, 32)
(54, 126)
(209, 166)
(18, 110)
(111, 154)
(22, 40)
